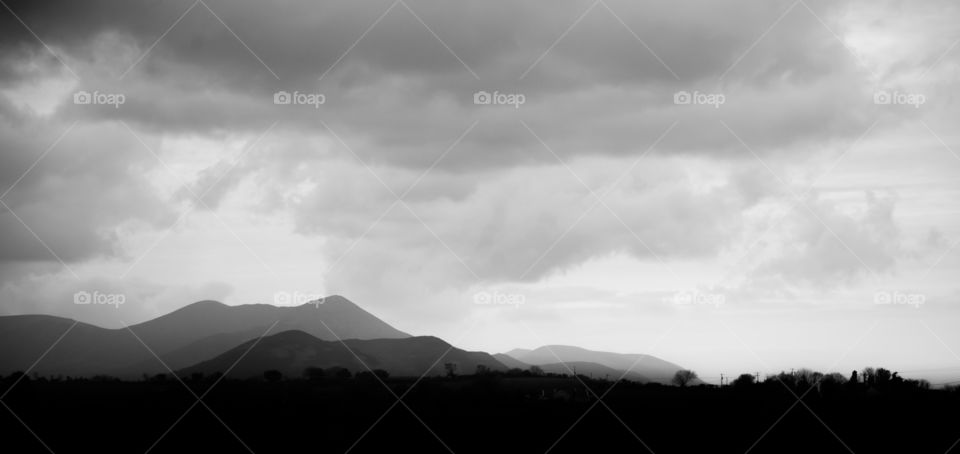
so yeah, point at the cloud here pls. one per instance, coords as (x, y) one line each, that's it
(73, 186)
(399, 93)
(522, 225)
(824, 245)
(487, 192)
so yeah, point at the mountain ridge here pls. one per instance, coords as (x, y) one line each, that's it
(291, 352)
(637, 365)
(210, 326)
(197, 333)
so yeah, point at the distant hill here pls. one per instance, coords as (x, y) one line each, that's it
(291, 352)
(85, 350)
(209, 336)
(641, 367)
(206, 318)
(511, 362)
(181, 338)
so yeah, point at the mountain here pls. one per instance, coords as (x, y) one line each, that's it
(290, 352)
(345, 319)
(510, 362)
(181, 338)
(84, 350)
(647, 366)
(208, 336)
(517, 352)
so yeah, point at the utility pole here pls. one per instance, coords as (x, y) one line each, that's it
(721, 380)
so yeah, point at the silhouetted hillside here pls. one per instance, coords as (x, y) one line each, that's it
(511, 362)
(197, 321)
(291, 352)
(181, 338)
(872, 411)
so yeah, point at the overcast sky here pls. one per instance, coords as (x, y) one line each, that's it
(732, 186)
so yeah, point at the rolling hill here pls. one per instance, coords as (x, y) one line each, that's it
(641, 367)
(181, 338)
(290, 352)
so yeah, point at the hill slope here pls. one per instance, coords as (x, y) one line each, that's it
(181, 338)
(291, 352)
(647, 366)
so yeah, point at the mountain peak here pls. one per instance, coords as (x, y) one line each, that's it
(202, 305)
(331, 300)
(207, 303)
(562, 348)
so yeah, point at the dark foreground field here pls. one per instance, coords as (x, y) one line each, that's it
(494, 413)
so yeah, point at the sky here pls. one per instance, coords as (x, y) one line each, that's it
(734, 187)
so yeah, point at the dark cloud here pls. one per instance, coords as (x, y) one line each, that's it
(401, 94)
(491, 195)
(74, 195)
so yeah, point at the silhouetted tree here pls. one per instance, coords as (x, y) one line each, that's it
(159, 378)
(451, 369)
(834, 378)
(364, 375)
(372, 375)
(314, 373)
(536, 370)
(19, 375)
(743, 381)
(683, 377)
(272, 375)
(882, 377)
(482, 369)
